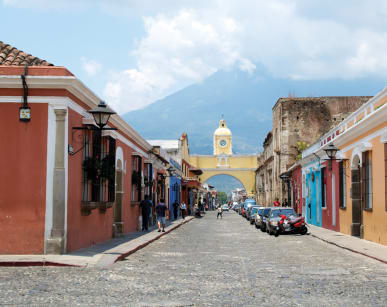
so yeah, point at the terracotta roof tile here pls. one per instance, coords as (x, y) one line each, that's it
(11, 56)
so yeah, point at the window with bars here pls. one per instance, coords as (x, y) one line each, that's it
(323, 188)
(98, 184)
(148, 178)
(342, 185)
(366, 180)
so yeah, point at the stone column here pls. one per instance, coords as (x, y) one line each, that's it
(55, 244)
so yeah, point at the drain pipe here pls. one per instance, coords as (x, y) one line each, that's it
(24, 110)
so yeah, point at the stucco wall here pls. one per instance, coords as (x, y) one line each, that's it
(22, 179)
(375, 226)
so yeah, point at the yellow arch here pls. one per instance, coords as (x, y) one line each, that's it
(242, 167)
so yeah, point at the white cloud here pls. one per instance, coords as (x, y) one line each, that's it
(187, 40)
(174, 53)
(91, 67)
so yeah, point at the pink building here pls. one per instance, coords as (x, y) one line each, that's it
(63, 186)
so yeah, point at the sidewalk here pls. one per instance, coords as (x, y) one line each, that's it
(100, 255)
(353, 244)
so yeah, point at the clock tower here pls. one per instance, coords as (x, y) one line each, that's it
(222, 140)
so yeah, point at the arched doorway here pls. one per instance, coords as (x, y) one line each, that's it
(357, 216)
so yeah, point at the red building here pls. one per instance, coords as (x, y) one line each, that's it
(296, 187)
(64, 184)
(330, 195)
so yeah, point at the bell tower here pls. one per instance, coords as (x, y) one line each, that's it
(222, 139)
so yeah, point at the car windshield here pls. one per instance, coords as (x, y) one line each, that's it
(278, 212)
(254, 210)
(266, 212)
(260, 211)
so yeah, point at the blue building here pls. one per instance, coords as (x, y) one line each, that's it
(311, 174)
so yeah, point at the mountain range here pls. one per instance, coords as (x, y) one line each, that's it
(245, 100)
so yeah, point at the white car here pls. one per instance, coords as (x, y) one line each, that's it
(225, 207)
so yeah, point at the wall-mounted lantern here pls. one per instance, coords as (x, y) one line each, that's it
(331, 152)
(101, 115)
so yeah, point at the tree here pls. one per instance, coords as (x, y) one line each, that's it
(222, 197)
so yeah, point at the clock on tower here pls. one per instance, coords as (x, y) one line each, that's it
(222, 139)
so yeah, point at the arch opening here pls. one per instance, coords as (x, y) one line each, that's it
(225, 183)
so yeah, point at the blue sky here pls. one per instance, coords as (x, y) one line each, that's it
(133, 52)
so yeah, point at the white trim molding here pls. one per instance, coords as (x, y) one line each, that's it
(383, 137)
(365, 146)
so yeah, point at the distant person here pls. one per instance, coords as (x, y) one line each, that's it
(276, 203)
(145, 206)
(175, 206)
(285, 203)
(161, 208)
(220, 212)
(183, 208)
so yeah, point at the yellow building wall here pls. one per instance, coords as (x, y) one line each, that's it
(375, 221)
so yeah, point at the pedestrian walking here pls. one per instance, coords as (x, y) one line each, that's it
(161, 208)
(175, 208)
(183, 208)
(285, 203)
(220, 212)
(197, 210)
(276, 203)
(145, 206)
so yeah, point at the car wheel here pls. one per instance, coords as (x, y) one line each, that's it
(262, 229)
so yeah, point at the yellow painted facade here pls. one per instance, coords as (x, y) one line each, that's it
(223, 162)
(365, 131)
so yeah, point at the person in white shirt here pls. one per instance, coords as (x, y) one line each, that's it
(183, 208)
(220, 211)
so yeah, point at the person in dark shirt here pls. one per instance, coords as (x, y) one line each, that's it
(145, 206)
(160, 211)
(175, 208)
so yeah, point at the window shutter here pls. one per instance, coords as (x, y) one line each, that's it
(385, 174)
(363, 180)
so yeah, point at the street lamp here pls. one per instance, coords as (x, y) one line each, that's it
(331, 153)
(101, 114)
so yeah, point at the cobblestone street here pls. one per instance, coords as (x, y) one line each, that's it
(210, 262)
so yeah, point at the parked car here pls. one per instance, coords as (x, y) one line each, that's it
(225, 207)
(258, 217)
(247, 204)
(275, 216)
(253, 214)
(240, 208)
(248, 212)
(264, 216)
(236, 207)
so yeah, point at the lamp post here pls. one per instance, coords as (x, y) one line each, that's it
(331, 152)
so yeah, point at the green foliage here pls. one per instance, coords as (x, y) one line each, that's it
(301, 146)
(222, 197)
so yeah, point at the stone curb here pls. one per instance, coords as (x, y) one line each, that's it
(102, 263)
(347, 248)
